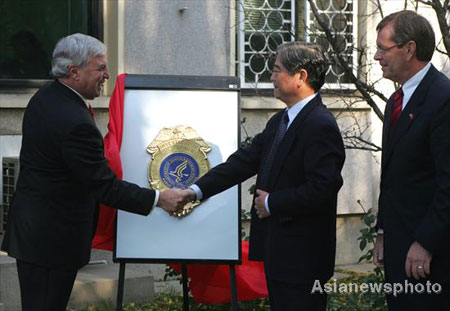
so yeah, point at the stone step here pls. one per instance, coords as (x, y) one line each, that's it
(94, 284)
(9, 284)
(98, 282)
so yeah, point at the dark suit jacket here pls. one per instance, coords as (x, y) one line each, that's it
(414, 203)
(298, 241)
(63, 175)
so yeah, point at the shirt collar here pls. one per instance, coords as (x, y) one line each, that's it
(81, 96)
(295, 110)
(411, 85)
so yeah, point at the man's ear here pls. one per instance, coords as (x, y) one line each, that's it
(303, 76)
(73, 72)
(410, 49)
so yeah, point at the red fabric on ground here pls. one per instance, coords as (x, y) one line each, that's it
(210, 284)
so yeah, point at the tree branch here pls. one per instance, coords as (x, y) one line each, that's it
(441, 10)
(357, 142)
(441, 17)
(362, 87)
(380, 8)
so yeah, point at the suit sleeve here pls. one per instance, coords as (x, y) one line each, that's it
(434, 231)
(82, 149)
(323, 160)
(240, 166)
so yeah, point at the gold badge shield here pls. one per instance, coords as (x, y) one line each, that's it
(178, 160)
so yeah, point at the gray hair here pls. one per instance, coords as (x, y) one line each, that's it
(77, 49)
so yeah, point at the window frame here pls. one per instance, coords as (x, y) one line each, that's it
(264, 87)
(96, 21)
(341, 86)
(241, 46)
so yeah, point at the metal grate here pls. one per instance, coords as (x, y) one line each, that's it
(341, 16)
(10, 173)
(263, 25)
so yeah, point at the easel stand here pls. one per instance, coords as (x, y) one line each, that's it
(121, 287)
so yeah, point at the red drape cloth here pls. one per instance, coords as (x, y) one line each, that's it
(209, 283)
(104, 235)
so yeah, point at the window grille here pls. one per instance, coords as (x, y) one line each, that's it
(265, 24)
(341, 18)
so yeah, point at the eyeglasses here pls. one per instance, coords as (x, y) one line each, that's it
(276, 71)
(383, 50)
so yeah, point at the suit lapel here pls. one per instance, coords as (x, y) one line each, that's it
(408, 116)
(289, 138)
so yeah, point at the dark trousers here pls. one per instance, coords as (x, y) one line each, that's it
(294, 297)
(44, 289)
(421, 301)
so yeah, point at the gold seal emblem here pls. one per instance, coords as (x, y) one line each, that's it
(178, 160)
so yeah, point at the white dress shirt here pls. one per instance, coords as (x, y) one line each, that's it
(411, 85)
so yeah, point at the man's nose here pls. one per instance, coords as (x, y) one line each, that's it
(377, 55)
(107, 75)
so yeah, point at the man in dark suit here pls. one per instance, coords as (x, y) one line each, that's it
(298, 158)
(414, 204)
(63, 176)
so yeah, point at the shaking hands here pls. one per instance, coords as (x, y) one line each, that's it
(173, 200)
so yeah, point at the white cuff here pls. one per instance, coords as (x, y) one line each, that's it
(198, 192)
(266, 204)
(156, 198)
(380, 231)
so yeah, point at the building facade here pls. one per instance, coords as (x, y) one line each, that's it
(213, 38)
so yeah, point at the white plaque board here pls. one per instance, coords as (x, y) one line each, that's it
(212, 231)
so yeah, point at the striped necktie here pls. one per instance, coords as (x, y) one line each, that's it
(396, 108)
(268, 161)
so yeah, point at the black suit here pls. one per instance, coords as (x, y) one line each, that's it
(414, 203)
(298, 241)
(63, 175)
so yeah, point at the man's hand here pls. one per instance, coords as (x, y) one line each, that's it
(190, 195)
(418, 261)
(378, 251)
(173, 200)
(260, 204)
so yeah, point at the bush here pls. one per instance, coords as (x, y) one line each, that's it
(337, 301)
(357, 301)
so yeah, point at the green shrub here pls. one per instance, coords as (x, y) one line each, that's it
(337, 301)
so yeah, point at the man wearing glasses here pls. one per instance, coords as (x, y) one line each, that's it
(414, 205)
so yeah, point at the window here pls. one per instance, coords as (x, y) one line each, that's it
(265, 24)
(340, 16)
(30, 30)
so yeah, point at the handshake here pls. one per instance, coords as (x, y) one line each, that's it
(173, 200)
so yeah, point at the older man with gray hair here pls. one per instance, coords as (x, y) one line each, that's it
(63, 177)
